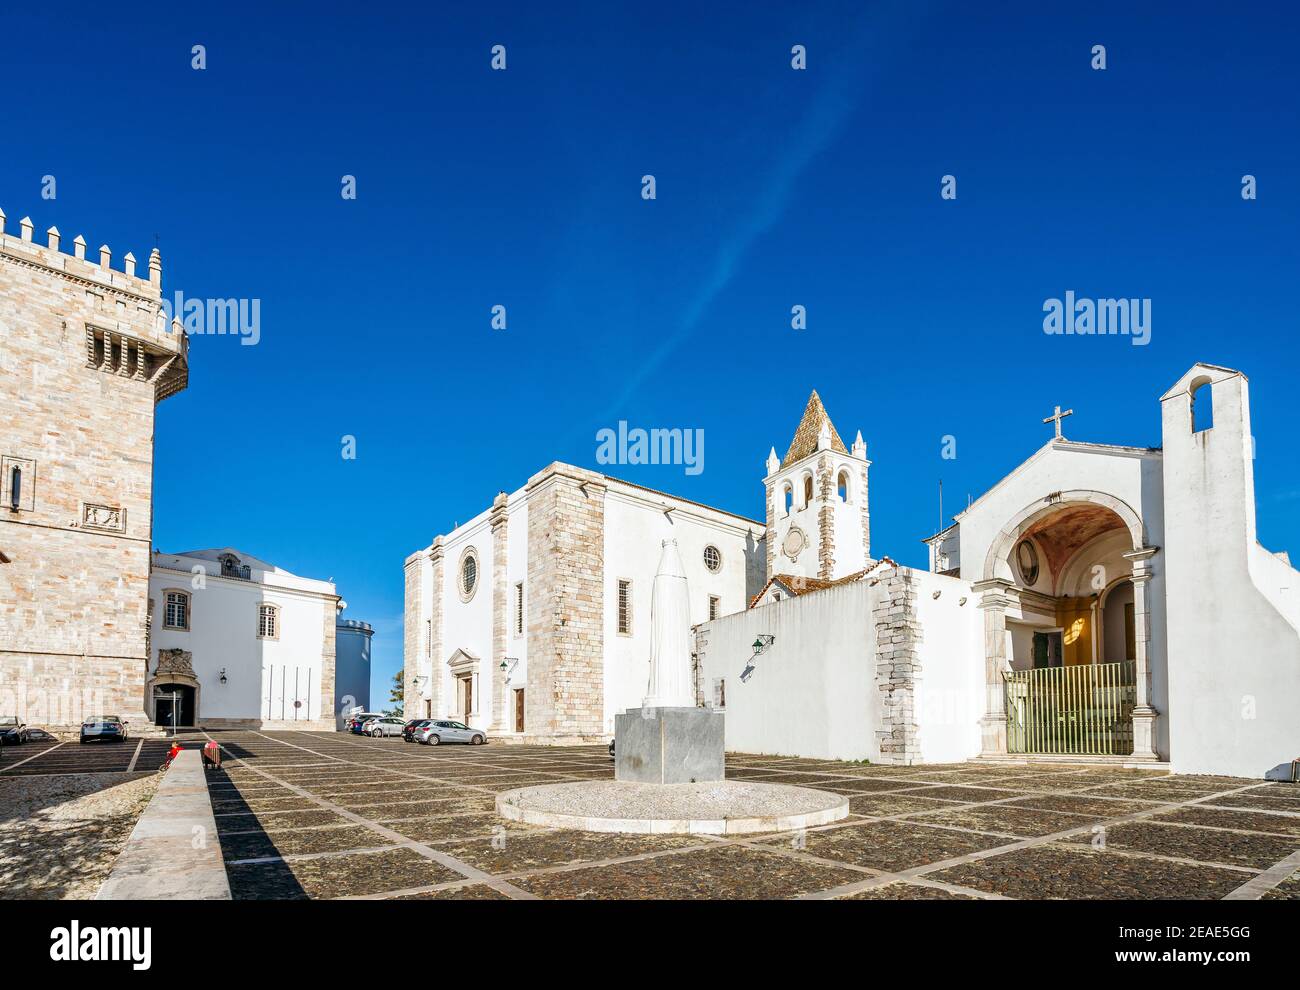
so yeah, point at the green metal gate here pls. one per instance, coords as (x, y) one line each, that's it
(1083, 710)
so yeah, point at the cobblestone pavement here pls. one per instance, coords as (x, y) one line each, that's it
(323, 815)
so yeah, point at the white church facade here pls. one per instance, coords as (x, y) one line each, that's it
(1101, 602)
(532, 620)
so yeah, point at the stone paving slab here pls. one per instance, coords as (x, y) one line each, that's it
(1202, 844)
(1055, 872)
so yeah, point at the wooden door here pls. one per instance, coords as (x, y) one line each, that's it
(469, 699)
(519, 709)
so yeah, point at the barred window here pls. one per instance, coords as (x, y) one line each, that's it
(712, 558)
(268, 622)
(625, 607)
(468, 574)
(519, 609)
(719, 692)
(177, 615)
(715, 607)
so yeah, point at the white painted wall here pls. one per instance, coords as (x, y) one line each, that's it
(467, 625)
(950, 689)
(813, 692)
(264, 677)
(1234, 667)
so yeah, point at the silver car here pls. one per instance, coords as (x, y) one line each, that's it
(386, 726)
(447, 731)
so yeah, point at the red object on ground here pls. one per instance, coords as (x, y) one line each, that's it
(212, 754)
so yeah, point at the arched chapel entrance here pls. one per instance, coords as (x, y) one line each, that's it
(1064, 593)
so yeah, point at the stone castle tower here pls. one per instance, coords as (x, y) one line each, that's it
(86, 354)
(818, 520)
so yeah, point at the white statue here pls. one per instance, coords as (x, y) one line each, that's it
(670, 635)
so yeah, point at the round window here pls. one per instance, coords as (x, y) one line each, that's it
(468, 574)
(712, 558)
(1027, 562)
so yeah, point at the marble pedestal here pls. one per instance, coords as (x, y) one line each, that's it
(669, 745)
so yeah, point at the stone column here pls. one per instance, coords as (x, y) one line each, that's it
(412, 636)
(1144, 715)
(994, 600)
(500, 614)
(898, 666)
(437, 662)
(825, 519)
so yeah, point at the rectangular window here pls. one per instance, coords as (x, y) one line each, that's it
(715, 607)
(719, 692)
(625, 607)
(519, 609)
(178, 610)
(428, 637)
(266, 620)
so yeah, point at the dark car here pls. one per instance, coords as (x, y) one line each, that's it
(411, 727)
(12, 731)
(358, 719)
(103, 727)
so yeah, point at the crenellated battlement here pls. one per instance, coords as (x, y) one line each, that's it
(97, 269)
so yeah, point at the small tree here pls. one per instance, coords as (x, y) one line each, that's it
(397, 693)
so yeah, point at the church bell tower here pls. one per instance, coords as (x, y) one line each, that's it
(818, 522)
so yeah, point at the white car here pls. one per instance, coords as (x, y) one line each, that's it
(446, 731)
(386, 726)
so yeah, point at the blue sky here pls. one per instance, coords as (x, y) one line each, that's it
(775, 188)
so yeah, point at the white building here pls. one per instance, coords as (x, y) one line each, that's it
(532, 620)
(1100, 601)
(238, 642)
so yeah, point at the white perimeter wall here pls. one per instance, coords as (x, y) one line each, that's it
(813, 692)
(950, 690)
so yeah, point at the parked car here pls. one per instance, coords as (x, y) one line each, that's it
(409, 729)
(386, 726)
(446, 731)
(12, 731)
(356, 720)
(103, 727)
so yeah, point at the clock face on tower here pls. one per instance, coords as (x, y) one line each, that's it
(794, 543)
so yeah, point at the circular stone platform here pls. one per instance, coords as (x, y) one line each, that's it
(726, 807)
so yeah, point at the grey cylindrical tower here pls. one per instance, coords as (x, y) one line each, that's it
(351, 667)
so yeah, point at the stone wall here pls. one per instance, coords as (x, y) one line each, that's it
(413, 637)
(500, 615)
(565, 694)
(328, 656)
(86, 356)
(898, 665)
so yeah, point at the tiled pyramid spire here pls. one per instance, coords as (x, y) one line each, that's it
(805, 437)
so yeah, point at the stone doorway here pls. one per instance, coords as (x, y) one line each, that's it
(173, 705)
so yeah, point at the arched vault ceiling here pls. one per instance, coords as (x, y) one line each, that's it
(1062, 533)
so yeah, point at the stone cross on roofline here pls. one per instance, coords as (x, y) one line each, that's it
(1057, 417)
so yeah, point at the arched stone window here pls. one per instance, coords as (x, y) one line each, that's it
(842, 486)
(787, 498)
(807, 490)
